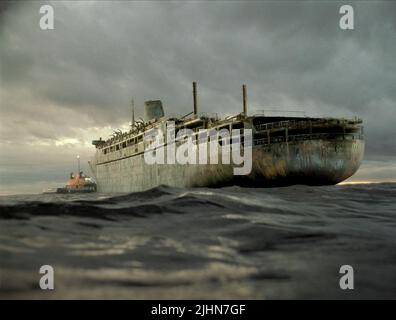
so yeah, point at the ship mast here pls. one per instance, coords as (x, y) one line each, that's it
(78, 160)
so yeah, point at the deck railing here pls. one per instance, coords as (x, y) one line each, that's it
(313, 136)
(303, 123)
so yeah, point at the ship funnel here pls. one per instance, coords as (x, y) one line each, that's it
(195, 102)
(153, 110)
(244, 99)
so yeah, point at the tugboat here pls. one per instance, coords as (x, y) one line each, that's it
(79, 183)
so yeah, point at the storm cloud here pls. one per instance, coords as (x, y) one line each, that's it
(62, 88)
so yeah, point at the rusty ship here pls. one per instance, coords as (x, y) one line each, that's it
(286, 150)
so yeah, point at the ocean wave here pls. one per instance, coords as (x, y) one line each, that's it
(164, 199)
(202, 243)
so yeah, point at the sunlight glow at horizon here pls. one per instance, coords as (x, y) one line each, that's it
(365, 182)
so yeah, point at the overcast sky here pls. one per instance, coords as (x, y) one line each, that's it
(62, 88)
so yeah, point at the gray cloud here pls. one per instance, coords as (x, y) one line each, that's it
(291, 55)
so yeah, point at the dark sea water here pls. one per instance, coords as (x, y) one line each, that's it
(230, 243)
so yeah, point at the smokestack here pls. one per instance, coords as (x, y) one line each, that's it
(195, 98)
(133, 112)
(153, 110)
(244, 97)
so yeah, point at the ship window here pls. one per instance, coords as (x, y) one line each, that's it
(238, 125)
(117, 147)
(124, 144)
(227, 127)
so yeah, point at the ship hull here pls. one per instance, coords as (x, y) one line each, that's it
(309, 162)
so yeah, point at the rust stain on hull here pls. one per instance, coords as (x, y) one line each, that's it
(315, 162)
